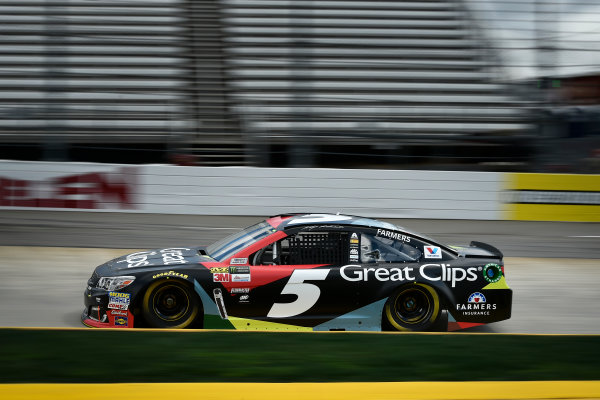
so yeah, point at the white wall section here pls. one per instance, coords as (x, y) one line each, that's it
(250, 191)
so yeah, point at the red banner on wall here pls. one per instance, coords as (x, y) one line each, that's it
(92, 190)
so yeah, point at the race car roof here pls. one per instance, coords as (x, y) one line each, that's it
(284, 221)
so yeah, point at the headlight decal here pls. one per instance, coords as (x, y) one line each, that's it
(115, 282)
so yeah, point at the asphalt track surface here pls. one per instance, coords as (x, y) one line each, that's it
(47, 257)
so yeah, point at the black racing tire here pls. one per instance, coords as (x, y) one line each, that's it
(170, 304)
(413, 307)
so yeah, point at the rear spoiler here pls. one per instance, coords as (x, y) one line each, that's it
(488, 247)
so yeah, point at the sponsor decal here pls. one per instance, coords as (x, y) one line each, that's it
(353, 254)
(220, 277)
(118, 312)
(326, 226)
(432, 252)
(354, 239)
(354, 236)
(239, 274)
(476, 297)
(173, 256)
(119, 294)
(218, 295)
(239, 261)
(240, 277)
(393, 235)
(245, 298)
(355, 273)
(169, 256)
(119, 301)
(121, 321)
(139, 259)
(552, 197)
(94, 190)
(242, 290)
(447, 273)
(239, 270)
(430, 272)
(492, 273)
(170, 273)
(476, 305)
(219, 270)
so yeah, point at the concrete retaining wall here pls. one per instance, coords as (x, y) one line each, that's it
(171, 189)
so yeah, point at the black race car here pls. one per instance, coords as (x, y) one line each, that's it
(313, 272)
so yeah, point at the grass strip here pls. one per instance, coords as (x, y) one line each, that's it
(97, 356)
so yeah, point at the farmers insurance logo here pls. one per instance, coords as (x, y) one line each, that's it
(477, 297)
(433, 252)
(476, 305)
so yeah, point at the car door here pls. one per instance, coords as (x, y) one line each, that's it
(387, 260)
(299, 278)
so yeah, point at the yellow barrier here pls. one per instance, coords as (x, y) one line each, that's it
(552, 197)
(305, 391)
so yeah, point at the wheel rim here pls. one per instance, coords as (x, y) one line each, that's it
(412, 306)
(170, 303)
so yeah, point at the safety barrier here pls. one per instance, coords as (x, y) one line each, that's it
(552, 197)
(171, 189)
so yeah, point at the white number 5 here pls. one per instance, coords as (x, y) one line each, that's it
(307, 293)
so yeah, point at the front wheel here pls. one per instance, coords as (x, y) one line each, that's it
(413, 308)
(170, 304)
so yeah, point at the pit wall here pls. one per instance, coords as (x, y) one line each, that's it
(168, 189)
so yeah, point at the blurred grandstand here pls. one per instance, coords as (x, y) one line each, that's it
(336, 83)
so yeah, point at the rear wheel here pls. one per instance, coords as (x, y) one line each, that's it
(413, 308)
(170, 304)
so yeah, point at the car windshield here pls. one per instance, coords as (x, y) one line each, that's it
(230, 245)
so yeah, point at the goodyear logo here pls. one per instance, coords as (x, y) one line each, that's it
(170, 273)
(219, 270)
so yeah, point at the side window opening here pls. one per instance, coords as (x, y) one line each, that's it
(306, 248)
(317, 248)
(380, 249)
(269, 255)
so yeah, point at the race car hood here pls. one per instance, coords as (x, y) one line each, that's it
(478, 250)
(170, 257)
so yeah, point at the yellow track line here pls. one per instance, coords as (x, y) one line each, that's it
(241, 332)
(308, 391)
